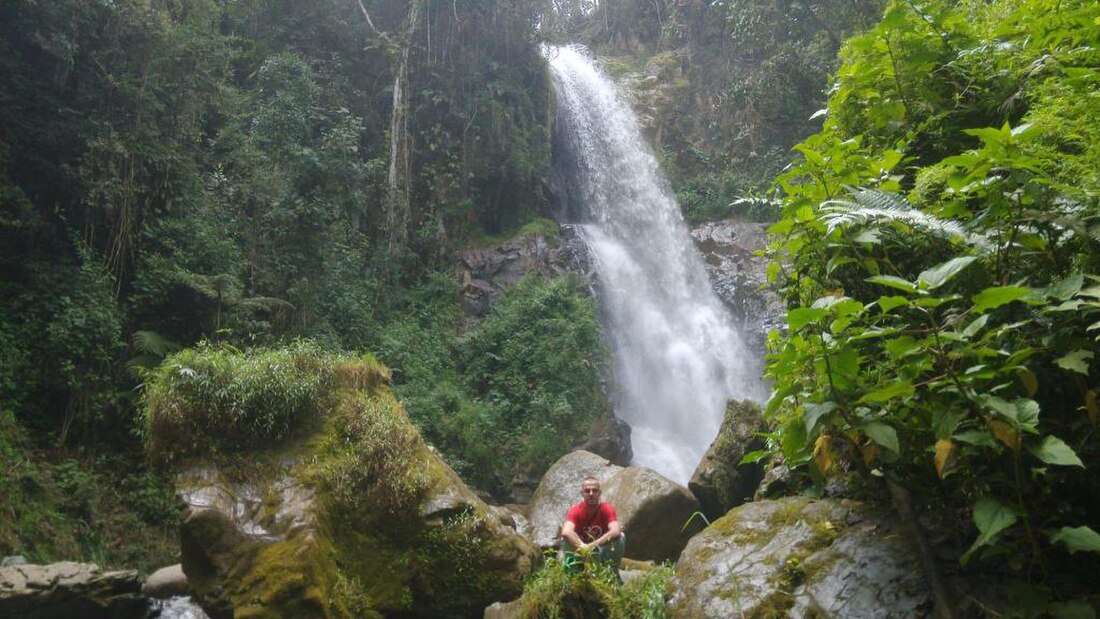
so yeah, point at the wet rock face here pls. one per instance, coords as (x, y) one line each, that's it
(655, 512)
(484, 272)
(800, 557)
(67, 589)
(610, 438)
(720, 481)
(738, 275)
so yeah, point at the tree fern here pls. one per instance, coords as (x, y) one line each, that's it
(152, 348)
(872, 207)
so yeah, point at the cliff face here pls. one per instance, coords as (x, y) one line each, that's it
(724, 88)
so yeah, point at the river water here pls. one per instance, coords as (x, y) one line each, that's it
(677, 355)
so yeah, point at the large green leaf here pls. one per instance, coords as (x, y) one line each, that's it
(889, 303)
(882, 434)
(889, 392)
(991, 518)
(893, 282)
(1054, 450)
(1077, 538)
(802, 316)
(1066, 288)
(1023, 413)
(942, 273)
(997, 296)
(813, 411)
(1076, 361)
(901, 346)
(945, 421)
(976, 325)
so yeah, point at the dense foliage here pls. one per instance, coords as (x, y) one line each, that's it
(232, 172)
(938, 253)
(108, 508)
(220, 170)
(512, 394)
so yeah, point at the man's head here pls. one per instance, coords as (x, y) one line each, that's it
(590, 491)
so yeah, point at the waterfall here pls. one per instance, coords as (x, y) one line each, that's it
(677, 356)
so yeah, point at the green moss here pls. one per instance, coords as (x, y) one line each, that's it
(617, 66)
(369, 551)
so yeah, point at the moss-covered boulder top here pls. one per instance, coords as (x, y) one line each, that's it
(309, 493)
(799, 557)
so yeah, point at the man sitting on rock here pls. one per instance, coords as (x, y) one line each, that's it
(592, 526)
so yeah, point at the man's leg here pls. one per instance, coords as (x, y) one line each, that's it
(612, 553)
(569, 559)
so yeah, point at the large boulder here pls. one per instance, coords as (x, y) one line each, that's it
(658, 515)
(166, 582)
(68, 589)
(559, 489)
(351, 516)
(654, 511)
(800, 557)
(720, 481)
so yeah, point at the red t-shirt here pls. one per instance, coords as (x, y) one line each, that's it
(589, 528)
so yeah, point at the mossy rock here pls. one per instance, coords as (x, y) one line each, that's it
(721, 482)
(800, 557)
(350, 515)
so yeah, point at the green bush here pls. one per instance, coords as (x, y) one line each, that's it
(937, 251)
(554, 593)
(218, 398)
(534, 363)
(515, 392)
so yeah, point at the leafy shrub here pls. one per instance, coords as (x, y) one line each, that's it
(554, 593)
(533, 361)
(943, 338)
(515, 392)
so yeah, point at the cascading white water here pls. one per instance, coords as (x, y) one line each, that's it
(677, 356)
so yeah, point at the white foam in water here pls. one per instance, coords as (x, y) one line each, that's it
(677, 355)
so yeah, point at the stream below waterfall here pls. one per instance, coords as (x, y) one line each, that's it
(677, 355)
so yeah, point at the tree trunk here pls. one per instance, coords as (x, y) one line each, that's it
(397, 200)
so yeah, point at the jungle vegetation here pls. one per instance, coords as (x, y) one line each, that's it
(937, 249)
(227, 175)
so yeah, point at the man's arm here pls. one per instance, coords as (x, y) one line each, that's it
(569, 532)
(613, 532)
